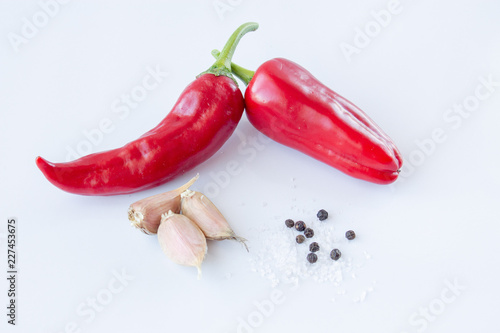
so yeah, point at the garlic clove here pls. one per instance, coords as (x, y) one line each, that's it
(205, 214)
(145, 214)
(182, 240)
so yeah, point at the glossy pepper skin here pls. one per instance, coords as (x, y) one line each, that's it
(288, 104)
(203, 118)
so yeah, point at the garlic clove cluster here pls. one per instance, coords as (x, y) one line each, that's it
(146, 214)
(183, 220)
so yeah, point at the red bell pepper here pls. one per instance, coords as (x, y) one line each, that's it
(288, 104)
(203, 118)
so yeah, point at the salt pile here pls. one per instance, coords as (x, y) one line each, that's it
(277, 257)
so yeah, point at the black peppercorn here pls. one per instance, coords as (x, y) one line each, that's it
(300, 239)
(350, 235)
(335, 254)
(300, 226)
(289, 223)
(312, 258)
(309, 232)
(314, 247)
(322, 215)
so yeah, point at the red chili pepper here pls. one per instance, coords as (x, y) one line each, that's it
(288, 104)
(203, 118)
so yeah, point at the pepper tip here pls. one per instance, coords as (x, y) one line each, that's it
(40, 162)
(44, 166)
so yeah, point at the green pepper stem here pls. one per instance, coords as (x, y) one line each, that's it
(222, 65)
(241, 73)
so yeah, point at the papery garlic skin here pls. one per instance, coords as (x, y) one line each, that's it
(205, 214)
(145, 214)
(182, 240)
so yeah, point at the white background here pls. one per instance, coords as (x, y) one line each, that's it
(438, 223)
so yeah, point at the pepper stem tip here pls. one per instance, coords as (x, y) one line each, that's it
(222, 65)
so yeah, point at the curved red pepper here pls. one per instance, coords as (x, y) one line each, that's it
(288, 104)
(203, 118)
